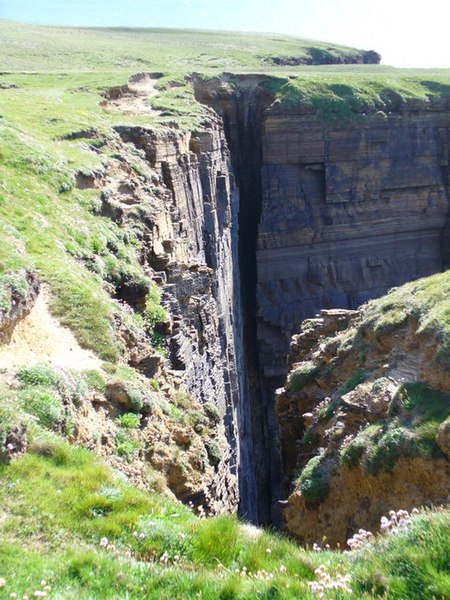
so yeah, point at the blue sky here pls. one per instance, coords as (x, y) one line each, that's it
(407, 33)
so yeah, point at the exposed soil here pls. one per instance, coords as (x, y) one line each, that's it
(40, 337)
(132, 98)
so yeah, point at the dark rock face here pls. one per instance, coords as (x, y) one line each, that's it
(191, 249)
(347, 213)
(241, 102)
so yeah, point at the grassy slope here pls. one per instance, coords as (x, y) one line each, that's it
(31, 47)
(58, 503)
(426, 300)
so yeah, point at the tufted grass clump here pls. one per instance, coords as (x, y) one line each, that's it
(213, 451)
(155, 314)
(217, 540)
(45, 404)
(386, 446)
(304, 373)
(423, 403)
(126, 445)
(42, 375)
(350, 455)
(212, 412)
(129, 421)
(313, 482)
(426, 436)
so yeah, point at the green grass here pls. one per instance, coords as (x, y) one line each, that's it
(31, 47)
(424, 300)
(59, 502)
(313, 481)
(60, 498)
(410, 565)
(41, 210)
(304, 373)
(338, 98)
(126, 445)
(423, 402)
(129, 421)
(411, 430)
(38, 375)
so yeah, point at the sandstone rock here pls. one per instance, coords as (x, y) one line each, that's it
(116, 392)
(358, 391)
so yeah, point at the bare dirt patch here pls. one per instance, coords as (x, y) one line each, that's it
(132, 97)
(40, 338)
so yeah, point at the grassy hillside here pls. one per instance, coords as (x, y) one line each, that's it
(31, 48)
(72, 529)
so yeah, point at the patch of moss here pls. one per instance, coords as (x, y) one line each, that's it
(313, 481)
(424, 403)
(304, 373)
(213, 451)
(385, 448)
(353, 381)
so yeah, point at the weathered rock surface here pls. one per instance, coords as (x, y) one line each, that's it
(364, 423)
(190, 250)
(348, 211)
(18, 292)
(337, 214)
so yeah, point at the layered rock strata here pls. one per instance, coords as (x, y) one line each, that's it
(348, 211)
(337, 213)
(190, 249)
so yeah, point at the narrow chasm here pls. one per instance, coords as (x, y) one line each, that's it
(241, 103)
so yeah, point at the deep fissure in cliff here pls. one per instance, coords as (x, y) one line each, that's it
(325, 214)
(259, 477)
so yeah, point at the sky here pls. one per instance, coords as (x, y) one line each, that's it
(406, 33)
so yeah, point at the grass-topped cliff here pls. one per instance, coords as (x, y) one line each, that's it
(95, 453)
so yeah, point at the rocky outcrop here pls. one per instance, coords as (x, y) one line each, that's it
(18, 291)
(364, 417)
(190, 249)
(324, 56)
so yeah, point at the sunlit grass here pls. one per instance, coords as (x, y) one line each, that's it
(70, 521)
